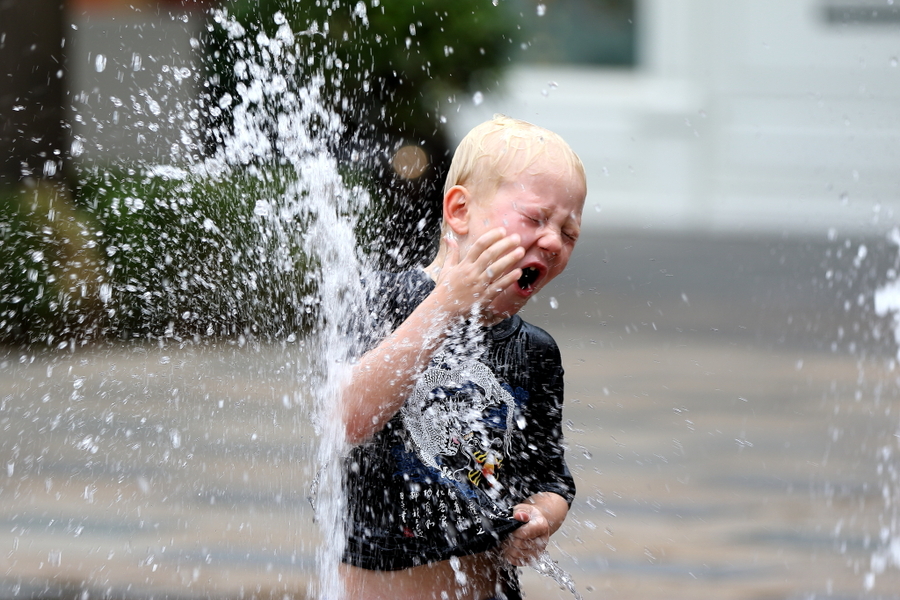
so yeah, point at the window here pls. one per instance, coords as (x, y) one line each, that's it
(865, 12)
(592, 32)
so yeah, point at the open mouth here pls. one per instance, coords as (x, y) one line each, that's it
(529, 276)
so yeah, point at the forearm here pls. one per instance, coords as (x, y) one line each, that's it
(553, 506)
(381, 381)
(384, 376)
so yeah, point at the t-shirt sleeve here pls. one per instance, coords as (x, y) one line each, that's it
(544, 464)
(387, 300)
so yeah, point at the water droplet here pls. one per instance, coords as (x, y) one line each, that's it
(893, 61)
(100, 63)
(477, 98)
(262, 208)
(541, 10)
(598, 208)
(153, 106)
(554, 304)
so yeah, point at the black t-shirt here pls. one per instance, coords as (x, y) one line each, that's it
(480, 432)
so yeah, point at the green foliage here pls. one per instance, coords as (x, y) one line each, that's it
(147, 255)
(189, 256)
(49, 281)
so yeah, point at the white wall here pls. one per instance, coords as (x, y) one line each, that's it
(747, 115)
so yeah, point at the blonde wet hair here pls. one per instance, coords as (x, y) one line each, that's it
(501, 149)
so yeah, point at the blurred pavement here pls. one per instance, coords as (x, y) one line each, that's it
(731, 424)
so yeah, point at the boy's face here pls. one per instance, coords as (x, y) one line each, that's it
(543, 206)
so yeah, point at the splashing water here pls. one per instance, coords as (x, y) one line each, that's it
(887, 554)
(545, 565)
(317, 196)
(280, 137)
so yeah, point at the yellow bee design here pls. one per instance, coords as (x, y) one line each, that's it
(488, 462)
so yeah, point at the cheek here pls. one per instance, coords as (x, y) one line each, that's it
(561, 263)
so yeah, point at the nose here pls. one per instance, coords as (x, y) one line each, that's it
(550, 241)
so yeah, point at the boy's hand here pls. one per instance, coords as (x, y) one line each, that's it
(486, 270)
(525, 544)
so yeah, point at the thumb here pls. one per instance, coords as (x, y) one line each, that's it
(522, 515)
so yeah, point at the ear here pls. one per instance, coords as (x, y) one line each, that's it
(457, 202)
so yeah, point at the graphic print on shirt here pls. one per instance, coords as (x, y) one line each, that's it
(459, 419)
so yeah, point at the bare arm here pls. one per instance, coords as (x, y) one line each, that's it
(384, 376)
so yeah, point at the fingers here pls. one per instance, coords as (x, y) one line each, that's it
(495, 252)
(522, 551)
(486, 268)
(493, 257)
(526, 543)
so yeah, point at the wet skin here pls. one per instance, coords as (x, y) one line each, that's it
(424, 583)
(540, 215)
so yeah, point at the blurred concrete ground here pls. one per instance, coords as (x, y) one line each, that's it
(727, 439)
(733, 411)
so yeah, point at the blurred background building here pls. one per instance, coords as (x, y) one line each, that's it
(741, 116)
(696, 115)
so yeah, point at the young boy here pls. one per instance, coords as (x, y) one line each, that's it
(454, 411)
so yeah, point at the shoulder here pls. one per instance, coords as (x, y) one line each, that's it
(404, 282)
(398, 288)
(527, 349)
(539, 340)
(391, 297)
